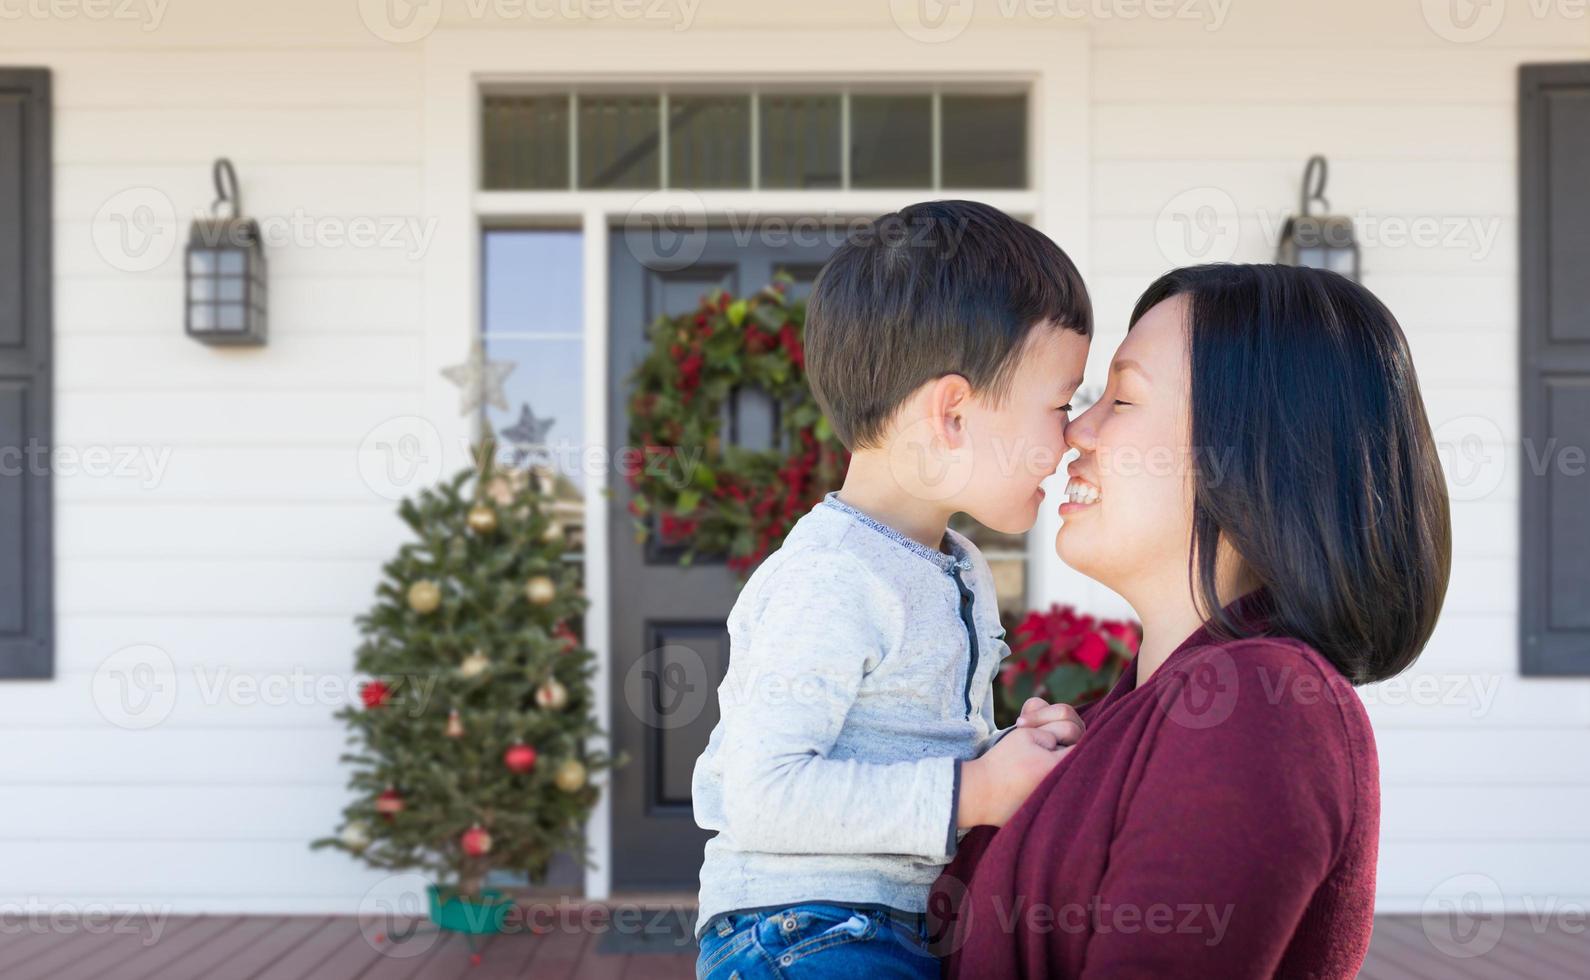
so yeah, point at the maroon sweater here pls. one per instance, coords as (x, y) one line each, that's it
(1219, 821)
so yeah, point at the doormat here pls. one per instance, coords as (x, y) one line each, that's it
(655, 930)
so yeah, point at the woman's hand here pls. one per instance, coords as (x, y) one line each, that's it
(1060, 719)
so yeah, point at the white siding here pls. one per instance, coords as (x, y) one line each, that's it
(258, 542)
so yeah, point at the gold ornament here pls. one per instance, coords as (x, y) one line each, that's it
(570, 777)
(482, 519)
(500, 490)
(554, 532)
(425, 596)
(474, 665)
(356, 836)
(455, 725)
(540, 590)
(552, 695)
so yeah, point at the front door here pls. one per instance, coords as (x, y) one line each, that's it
(669, 642)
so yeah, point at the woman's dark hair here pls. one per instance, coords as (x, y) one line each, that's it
(1313, 459)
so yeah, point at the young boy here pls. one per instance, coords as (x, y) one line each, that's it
(856, 740)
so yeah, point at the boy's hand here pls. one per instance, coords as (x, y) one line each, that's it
(996, 783)
(1061, 719)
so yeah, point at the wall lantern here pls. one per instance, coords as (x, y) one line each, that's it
(226, 270)
(1318, 241)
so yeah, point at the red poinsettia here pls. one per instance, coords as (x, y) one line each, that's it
(1063, 655)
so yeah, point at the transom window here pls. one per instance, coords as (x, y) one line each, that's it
(927, 138)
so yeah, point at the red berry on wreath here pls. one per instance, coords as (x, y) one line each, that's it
(519, 758)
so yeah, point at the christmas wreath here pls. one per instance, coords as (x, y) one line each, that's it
(691, 487)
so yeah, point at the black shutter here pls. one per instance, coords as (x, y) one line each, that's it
(27, 645)
(1554, 272)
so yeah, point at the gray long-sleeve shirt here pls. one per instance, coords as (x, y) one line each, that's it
(850, 699)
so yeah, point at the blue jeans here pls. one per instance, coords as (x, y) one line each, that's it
(814, 940)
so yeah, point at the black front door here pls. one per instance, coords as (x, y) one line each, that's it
(669, 643)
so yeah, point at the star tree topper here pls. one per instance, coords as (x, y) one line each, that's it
(528, 436)
(479, 380)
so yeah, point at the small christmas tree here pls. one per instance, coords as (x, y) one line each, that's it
(472, 739)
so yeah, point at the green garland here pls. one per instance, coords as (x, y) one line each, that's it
(690, 488)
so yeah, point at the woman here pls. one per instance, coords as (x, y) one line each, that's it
(1259, 482)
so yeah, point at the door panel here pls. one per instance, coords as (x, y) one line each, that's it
(670, 646)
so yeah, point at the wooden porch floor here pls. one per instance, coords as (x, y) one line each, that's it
(340, 948)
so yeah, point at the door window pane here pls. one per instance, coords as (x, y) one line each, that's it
(526, 141)
(891, 140)
(800, 136)
(532, 281)
(619, 141)
(984, 140)
(709, 141)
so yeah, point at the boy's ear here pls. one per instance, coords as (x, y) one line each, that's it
(948, 398)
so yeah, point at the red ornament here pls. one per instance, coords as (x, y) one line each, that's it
(375, 694)
(564, 633)
(476, 841)
(519, 758)
(390, 803)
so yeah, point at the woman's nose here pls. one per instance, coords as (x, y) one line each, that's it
(1079, 431)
